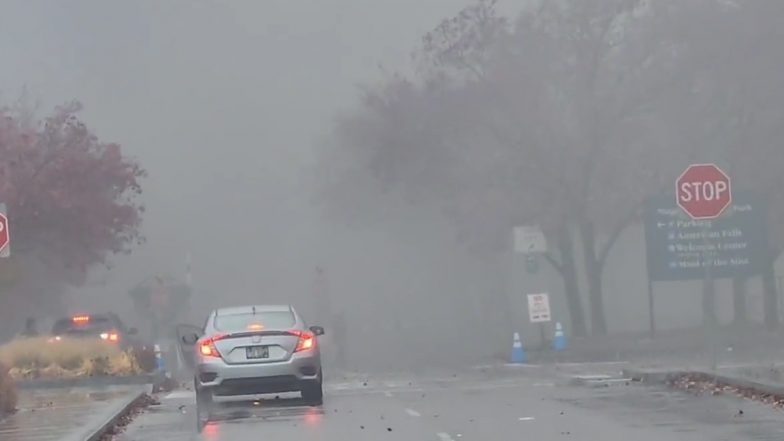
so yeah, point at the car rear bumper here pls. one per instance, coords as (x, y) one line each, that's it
(250, 379)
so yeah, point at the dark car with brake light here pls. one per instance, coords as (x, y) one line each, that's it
(107, 327)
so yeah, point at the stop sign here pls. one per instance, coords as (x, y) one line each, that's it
(5, 237)
(703, 191)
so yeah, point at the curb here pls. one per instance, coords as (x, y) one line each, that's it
(122, 410)
(599, 381)
(653, 376)
(664, 377)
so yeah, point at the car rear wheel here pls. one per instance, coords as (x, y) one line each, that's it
(313, 393)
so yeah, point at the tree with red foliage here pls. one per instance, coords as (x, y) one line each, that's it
(72, 202)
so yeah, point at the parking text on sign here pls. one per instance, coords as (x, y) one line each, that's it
(539, 308)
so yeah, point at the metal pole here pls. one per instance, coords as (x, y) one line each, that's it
(779, 297)
(709, 298)
(188, 271)
(651, 314)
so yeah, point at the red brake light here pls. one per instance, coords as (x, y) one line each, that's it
(81, 319)
(207, 346)
(306, 341)
(207, 349)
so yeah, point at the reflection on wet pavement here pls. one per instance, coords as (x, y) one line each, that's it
(55, 414)
(267, 410)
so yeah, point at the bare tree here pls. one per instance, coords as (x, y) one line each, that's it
(569, 117)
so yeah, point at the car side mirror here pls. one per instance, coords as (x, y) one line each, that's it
(190, 339)
(133, 331)
(317, 330)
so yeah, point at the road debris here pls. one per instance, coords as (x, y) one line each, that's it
(703, 384)
(138, 407)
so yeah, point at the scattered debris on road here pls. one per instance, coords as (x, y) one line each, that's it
(144, 402)
(702, 384)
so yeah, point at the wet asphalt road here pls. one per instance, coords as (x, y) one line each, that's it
(65, 414)
(531, 403)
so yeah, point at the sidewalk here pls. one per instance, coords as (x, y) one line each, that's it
(733, 344)
(66, 414)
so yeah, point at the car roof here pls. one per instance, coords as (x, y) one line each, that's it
(250, 308)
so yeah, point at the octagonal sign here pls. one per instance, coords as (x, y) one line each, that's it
(5, 235)
(703, 191)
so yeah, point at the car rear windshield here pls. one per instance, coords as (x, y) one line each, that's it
(258, 321)
(94, 325)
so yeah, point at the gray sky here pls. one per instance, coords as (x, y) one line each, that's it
(224, 102)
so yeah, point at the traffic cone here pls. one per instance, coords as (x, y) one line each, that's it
(518, 353)
(559, 341)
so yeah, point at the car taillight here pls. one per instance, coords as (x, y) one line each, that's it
(207, 346)
(307, 341)
(110, 336)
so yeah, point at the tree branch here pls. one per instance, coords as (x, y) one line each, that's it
(553, 262)
(615, 234)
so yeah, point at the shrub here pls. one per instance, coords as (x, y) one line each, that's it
(44, 358)
(7, 391)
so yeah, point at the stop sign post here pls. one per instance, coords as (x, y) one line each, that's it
(703, 191)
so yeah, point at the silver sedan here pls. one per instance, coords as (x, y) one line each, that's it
(260, 349)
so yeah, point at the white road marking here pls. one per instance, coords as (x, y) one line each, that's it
(413, 413)
(526, 418)
(388, 394)
(443, 436)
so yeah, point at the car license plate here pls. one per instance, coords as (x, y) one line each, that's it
(256, 352)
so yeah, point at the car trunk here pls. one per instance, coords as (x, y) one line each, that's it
(257, 347)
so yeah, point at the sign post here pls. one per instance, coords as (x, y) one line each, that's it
(539, 312)
(5, 233)
(704, 191)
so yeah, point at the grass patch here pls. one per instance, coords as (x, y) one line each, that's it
(33, 358)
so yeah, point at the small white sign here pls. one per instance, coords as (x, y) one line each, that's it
(539, 308)
(529, 239)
